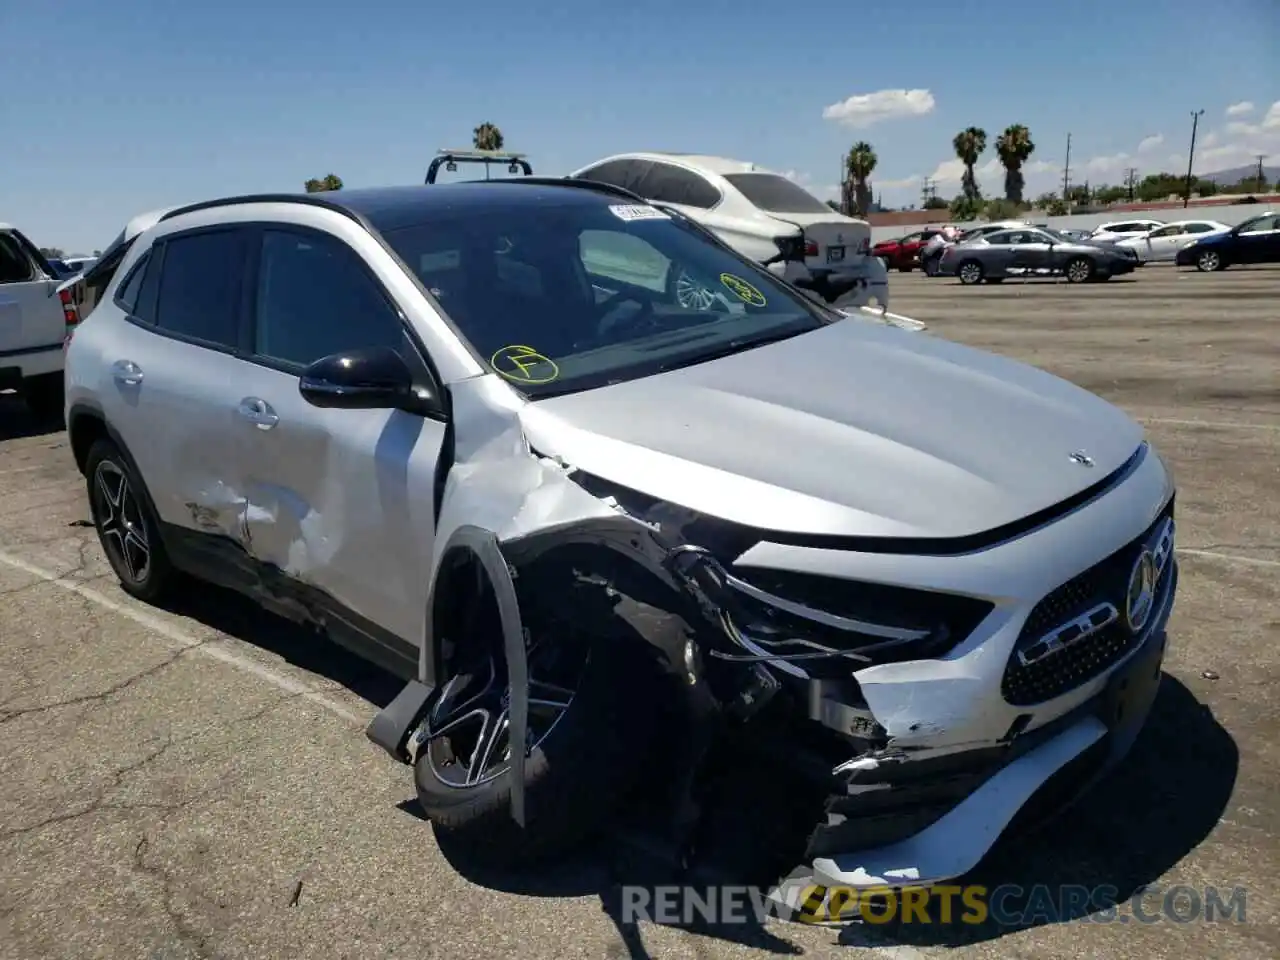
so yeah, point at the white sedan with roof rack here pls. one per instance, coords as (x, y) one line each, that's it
(761, 214)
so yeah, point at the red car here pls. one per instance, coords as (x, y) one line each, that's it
(904, 253)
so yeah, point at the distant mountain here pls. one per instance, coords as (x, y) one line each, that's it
(1236, 174)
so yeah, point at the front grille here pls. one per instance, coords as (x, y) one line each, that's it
(1065, 669)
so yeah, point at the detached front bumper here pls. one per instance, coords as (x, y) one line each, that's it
(915, 822)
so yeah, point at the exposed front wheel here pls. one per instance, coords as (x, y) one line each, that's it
(128, 532)
(970, 272)
(1209, 261)
(1079, 270)
(591, 716)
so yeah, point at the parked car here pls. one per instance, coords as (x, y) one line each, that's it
(1029, 252)
(903, 254)
(1073, 234)
(1257, 240)
(35, 319)
(1123, 229)
(762, 215)
(85, 289)
(1163, 243)
(418, 419)
(931, 256)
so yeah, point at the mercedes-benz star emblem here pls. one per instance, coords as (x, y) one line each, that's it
(1141, 595)
(1081, 458)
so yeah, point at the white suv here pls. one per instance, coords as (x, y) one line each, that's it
(477, 432)
(761, 214)
(36, 315)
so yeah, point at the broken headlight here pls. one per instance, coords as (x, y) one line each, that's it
(824, 626)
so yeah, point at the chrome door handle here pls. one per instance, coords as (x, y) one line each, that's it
(126, 372)
(258, 412)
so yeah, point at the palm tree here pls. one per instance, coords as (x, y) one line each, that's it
(858, 165)
(330, 181)
(969, 144)
(1014, 147)
(487, 137)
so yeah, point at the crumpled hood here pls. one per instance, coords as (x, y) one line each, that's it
(856, 429)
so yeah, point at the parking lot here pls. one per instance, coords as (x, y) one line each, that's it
(195, 782)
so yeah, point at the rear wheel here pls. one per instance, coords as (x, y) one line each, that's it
(1079, 270)
(970, 272)
(127, 530)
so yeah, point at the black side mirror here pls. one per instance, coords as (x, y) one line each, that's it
(376, 378)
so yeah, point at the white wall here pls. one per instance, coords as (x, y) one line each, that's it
(1230, 214)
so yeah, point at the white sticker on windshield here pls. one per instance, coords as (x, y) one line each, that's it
(638, 211)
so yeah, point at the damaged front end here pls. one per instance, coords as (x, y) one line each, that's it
(826, 666)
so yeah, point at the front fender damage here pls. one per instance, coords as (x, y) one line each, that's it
(507, 507)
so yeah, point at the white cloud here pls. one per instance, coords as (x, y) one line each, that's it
(1239, 143)
(1151, 142)
(901, 183)
(822, 191)
(1241, 109)
(865, 109)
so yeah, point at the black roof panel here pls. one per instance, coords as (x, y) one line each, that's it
(386, 208)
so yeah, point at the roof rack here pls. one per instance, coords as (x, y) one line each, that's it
(450, 159)
(309, 199)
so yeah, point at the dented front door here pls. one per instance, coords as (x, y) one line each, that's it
(340, 500)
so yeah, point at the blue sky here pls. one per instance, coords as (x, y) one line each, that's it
(137, 104)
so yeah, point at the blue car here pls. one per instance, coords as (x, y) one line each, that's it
(1257, 240)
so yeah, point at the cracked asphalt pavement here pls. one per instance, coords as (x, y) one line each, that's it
(194, 782)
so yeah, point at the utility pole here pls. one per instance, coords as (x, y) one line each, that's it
(1131, 181)
(1261, 157)
(1191, 155)
(1066, 175)
(928, 191)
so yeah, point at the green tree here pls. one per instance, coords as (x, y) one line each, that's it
(1014, 147)
(487, 137)
(330, 181)
(97, 253)
(57, 253)
(969, 144)
(965, 208)
(1105, 193)
(1002, 209)
(1043, 201)
(859, 164)
(935, 203)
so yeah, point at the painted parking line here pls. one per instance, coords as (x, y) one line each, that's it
(1228, 557)
(185, 642)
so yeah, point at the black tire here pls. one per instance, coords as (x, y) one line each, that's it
(120, 522)
(1079, 270)
(905, 269)
(574, 778)
(44, 396)
(970, 272)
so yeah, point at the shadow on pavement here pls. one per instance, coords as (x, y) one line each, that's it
(1124, 834)
(17, 422)
(234, 614)
(1119, 838)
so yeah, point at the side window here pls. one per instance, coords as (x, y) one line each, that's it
(613, 255)
(912, 237)
(1262, 225)
(670, 184)
(614, 172)
(199, 294)
(14, 265)
(1165, 232)
(1197, 228)
(127, 294)
(315, 297)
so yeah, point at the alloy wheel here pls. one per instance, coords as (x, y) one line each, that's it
(1078, 271)
(118, 515)
(467, 734)
(692, 295)
(970, 273)
(1208, 261)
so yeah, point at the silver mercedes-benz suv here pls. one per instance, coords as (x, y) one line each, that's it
(475, 432)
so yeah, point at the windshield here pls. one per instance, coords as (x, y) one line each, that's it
(564, 298)
(776, 194)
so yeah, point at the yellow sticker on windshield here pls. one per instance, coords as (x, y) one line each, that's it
(521, 364)
(743, 290)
